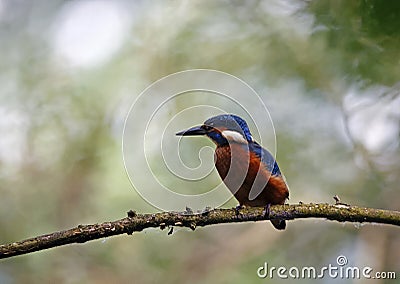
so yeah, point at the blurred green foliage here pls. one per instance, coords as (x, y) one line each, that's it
(328, 71)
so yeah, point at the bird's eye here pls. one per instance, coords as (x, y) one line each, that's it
(206, 127)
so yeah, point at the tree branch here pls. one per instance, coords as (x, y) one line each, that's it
(138, 222)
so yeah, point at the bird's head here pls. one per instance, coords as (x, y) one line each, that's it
(222, 129)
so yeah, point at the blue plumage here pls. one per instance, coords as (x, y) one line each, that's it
(248, 170)
(217, 137)
(231, 122)
(236, 123)
(266, 158)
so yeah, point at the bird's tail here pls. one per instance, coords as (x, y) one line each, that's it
(279, 224)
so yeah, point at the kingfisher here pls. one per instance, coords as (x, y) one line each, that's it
(248, 170)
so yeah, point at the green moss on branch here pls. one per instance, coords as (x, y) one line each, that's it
(138, 222)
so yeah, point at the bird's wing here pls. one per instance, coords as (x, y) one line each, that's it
(266, 157)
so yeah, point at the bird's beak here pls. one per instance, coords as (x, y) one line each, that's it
(194, 131)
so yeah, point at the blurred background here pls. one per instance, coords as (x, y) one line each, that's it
(328, 71)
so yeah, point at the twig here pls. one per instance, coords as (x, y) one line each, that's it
(138, 222)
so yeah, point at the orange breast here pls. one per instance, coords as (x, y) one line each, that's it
(247, 178)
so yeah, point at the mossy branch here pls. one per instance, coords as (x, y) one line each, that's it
(138, 222)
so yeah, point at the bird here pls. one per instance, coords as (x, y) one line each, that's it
(247, 169)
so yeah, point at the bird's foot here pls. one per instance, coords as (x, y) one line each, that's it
(267, 210)
(237, 209)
